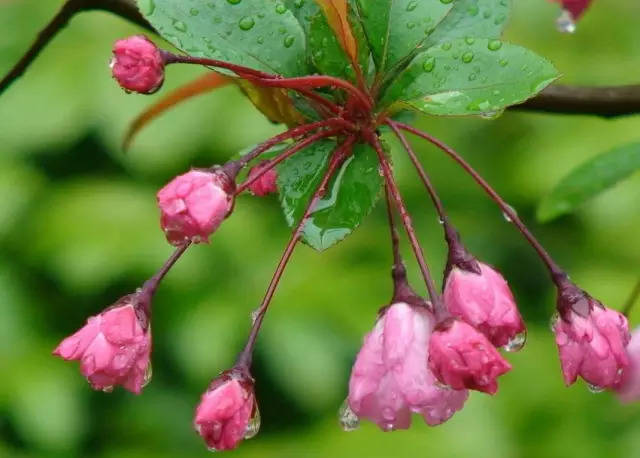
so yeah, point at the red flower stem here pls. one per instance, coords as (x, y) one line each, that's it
(395, 242)
(426, 180)
(633, 297)
(270, 80)
(323, 102)
(285, 155)
(338, 157)
(557, 274)
(406, 219)
(149, 287)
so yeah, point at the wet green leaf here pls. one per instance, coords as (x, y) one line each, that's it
(251, 33)
(472, 18)
(590, 179)
(470, 76)
(397, 28)
(350, 197)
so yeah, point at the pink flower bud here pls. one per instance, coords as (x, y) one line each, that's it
(591, 339)
(629, 387)
(228, 412)
(137, 64)
(113, 347)
(575, 7)
(391, 379)
(194, 204)
(266, 184)
(484, 301)
(461, 357)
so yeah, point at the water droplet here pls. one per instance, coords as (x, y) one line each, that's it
(516, 343)
(147, 7)
(472, 76)
(595, 389)
(473, 10)
(280, 8)
(506, 215)
(288, 41)
(553, 320)
(565, 23)
(486, 14)
(148, 375)
(412, 5)
(107, 389)
(470, 40)
(246, 23)
(446, 45)
(429, 64)
(493, 114)
(494, 45)
(446, 1)
(234, 2)
(349, 421)
(298, 3)
(411, 25)
(254, 315)
(260, 40)
(179, 26)
(467, 57)
(503, 62)
(194, 11)
(254, 425)
(500, 18)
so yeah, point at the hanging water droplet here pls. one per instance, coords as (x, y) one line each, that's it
(565, 23)
(246, 23)
(253, 426)
(441, 385)
(107, 389)
(212, 449)
(254, 315)
(349, 421)
(506, 216)
(553, 320)
(595, 389)
(491, 114)
(516, 343)
(148, 374)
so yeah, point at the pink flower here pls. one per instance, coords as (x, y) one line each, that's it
(575, 7)
(591, 338)
(228, 412)
(484, 301)
(137, 64)
(113, 348)
(194, 204)
(461, 357)
(266, 184)
(629, 387)
(391, 379)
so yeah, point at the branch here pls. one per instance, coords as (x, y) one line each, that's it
(607, 102)
(124, 8)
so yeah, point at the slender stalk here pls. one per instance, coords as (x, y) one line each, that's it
(406, 219)
(240, 70)
(633, 297)
(283, 156)
(555, 271)
(395, 242)
(338, 157)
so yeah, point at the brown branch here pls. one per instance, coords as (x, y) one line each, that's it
(598, 101)
(607, 102)
(124, 8)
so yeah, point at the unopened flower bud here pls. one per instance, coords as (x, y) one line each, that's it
(266, 184)
(483, 299)
(462, 357)
(137, 64)
(228, 412)
(591, 338)
(391, 380)
(629, 387)
(113, 347)
(194, 204)
(575, 7)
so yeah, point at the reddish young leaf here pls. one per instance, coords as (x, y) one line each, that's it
(202, 85)
(273, 102)
(337, 13)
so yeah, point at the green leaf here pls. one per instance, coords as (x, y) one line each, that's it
(328, 56)
(590, 179)
(470, 76)
(350, 196)
(472, 18)
(304, 11)
(397, 28)
(252, 33)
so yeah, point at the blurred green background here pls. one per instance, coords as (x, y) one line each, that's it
(79, 228)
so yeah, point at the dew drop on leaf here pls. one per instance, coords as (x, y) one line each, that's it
(280, 8)
(470, 40)
(147, 7)
(288, 41)
(446, 45)
(494, 45)
(429, 64)
(179, 26)
(234, 2)
(246, 23)
(412, 5)
(467, 57)
(194, 11)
